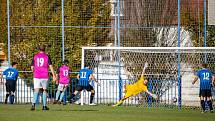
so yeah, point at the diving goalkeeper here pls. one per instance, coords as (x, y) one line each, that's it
(136, 88)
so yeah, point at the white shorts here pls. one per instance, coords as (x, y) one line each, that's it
(62, 86)
(40, 83)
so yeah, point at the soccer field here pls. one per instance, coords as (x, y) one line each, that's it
(99, 113)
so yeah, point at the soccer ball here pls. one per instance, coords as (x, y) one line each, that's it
(174, 100)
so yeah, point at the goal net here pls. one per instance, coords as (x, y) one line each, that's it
(170, 73)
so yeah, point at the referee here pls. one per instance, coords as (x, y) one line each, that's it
(11, 75)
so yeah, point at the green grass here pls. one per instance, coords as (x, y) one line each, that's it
(99, 113)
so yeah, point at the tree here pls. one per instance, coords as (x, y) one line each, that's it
(81, 17)
(3, 21)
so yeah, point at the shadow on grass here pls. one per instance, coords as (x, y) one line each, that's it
(78, 110)
(84, 110)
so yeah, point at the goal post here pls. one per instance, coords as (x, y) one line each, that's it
(170, 72)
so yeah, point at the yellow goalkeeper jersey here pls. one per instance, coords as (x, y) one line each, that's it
(136, 88)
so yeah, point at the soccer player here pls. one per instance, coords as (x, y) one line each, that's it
(11, 75)
(84, 77)
(206, 79)
(63, 74)
(136, 88)
(40, 66)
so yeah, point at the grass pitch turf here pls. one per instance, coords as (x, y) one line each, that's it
(99, 113)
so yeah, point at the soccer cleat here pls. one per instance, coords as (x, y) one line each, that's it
(114, 105)
(59, 102)
(203, 112)
(92, 104)
(64, 103)
(55, 102)
(119, 103)
(45, 108)
(72, 101)
(32, 108)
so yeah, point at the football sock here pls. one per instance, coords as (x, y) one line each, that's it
(203, 105)
(44, 98)
(62, 95)
(119, 103)
(91, 97)
(73, 97)
(35, 97)
(12, 99)
(57, 95)
(7, 95)
(210, 105)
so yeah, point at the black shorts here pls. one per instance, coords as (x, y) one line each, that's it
(10, 86)
(205, 93)
(80, 88)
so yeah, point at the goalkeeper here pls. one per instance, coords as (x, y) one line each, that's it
(136, 88)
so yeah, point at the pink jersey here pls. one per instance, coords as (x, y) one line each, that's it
(41, 62)
(63, 72)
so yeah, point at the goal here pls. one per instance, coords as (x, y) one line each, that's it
(170, 73)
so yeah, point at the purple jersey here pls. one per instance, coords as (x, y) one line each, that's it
(63, 72)
(41, 62)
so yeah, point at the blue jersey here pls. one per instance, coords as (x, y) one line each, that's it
(85, 76)
(205, 77)
(11, 74)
